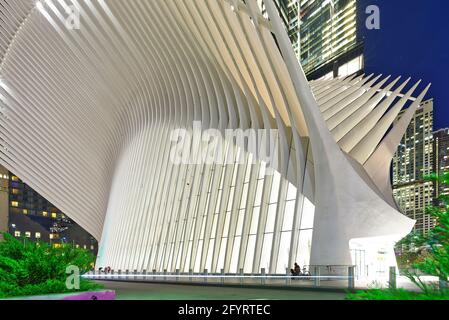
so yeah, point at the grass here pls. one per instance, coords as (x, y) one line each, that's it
(396, 294)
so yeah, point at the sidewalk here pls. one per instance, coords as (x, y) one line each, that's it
(168, 291)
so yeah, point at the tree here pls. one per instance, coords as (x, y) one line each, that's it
(435, 262)
(437, 241)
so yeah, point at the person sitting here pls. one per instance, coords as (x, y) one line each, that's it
(296, 271)
(305, 272)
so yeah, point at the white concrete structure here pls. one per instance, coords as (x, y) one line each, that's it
(87, 115)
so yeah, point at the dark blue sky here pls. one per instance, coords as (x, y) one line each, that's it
(413, 41)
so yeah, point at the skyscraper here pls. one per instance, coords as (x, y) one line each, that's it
(441, 158)
(324, 35)
(411, 163)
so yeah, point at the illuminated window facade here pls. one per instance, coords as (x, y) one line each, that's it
(28, 210)
(24, 200)
(4, 201)
(328, 29)
(441, 158)
(412, 162)
(322, 31)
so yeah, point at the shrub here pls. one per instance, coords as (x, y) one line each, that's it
(29, 268)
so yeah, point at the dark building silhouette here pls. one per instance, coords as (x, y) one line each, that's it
(31, 216)
(4, 211)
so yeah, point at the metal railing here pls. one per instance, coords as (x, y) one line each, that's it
(338, 277)
(318, 276)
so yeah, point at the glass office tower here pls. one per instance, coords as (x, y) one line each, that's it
(328, 29)
(324, 35)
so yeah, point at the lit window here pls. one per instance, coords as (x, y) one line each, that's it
(85, 247)
(25, 211)
(14, 178)
(28, 234)
(52, 236)
(38, 235)
(91, 247)
(15, 191)
(57, 245)
(44, 213)
(17, 233)
(14, 203)
(77, 246)
(54, 215)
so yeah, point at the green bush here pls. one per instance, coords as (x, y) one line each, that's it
(51, 286)
(29, 268)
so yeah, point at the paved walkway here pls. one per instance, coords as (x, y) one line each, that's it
(156, 291)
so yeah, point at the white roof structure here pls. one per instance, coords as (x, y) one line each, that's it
(87, 116)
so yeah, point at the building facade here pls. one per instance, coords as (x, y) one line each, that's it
(4, 192)
(147, 146)
(324, 35)
(32, 217)
(328, 32)
(289, 11)
(441, 159)
(413, 161)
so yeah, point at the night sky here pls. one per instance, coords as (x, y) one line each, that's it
(413, 41)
